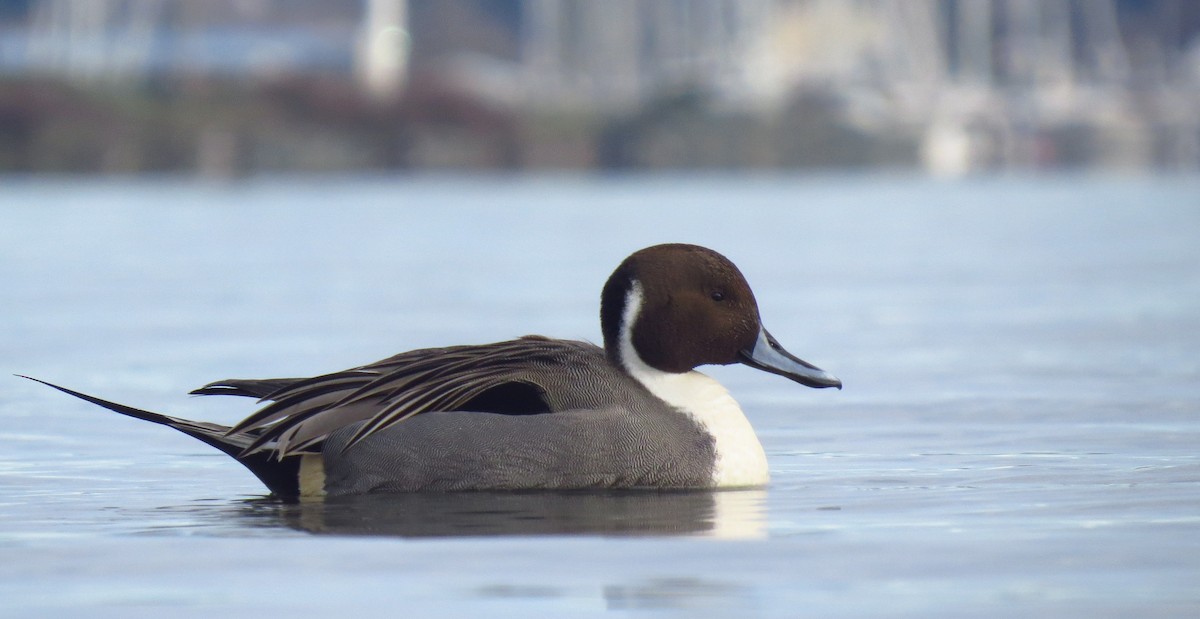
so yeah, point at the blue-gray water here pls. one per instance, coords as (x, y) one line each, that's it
(1019, 434)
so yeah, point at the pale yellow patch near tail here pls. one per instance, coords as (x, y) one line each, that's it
(312, 475)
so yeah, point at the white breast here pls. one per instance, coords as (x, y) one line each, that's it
(741, 461)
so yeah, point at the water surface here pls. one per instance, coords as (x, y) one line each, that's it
(1017, 437)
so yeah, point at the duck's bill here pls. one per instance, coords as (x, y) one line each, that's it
(768, 356)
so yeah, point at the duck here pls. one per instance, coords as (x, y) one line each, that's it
(532, 413)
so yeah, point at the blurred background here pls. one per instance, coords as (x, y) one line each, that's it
(226, 88)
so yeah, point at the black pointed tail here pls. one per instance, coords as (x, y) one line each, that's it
(280, 476)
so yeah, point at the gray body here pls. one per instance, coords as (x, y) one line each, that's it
(606, 431)
(611, 447)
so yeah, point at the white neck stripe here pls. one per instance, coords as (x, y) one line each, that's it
(629, 356)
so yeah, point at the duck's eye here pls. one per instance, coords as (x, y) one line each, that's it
(717, 295)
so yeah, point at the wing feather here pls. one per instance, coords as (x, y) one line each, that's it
(304, 411)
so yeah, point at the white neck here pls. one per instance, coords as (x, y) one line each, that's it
(741, 461)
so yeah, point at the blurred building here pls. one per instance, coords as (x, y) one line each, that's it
(961, 84)
(988, 83)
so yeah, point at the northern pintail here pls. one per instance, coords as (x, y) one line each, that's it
(530, 413)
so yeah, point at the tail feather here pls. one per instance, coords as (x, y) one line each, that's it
(260, 388)
(280, 476)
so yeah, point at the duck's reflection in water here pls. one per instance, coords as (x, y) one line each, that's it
(737, 514)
